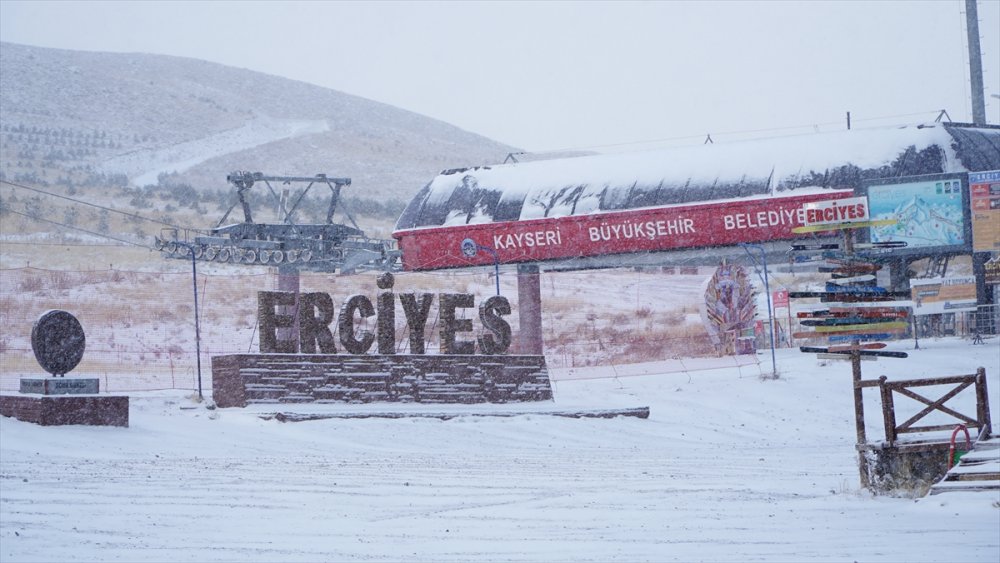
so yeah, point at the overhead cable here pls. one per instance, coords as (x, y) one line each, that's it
(79, 229)
(81, 202)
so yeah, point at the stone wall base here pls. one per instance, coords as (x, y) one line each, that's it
(58, 410)
(242, 379)
(906, 471)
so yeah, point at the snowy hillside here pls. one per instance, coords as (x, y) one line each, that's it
(142, 114)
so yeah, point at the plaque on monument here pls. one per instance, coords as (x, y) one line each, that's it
(61, 386)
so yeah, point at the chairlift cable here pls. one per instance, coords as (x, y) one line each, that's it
(79, 229)
(81, 202)
(701, 136)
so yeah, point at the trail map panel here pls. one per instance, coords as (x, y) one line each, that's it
(930, 213)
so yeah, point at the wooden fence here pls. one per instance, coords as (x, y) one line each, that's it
(981, 419)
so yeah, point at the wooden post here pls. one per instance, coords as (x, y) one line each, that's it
(982, 403)
(859, 416)
(888, 411)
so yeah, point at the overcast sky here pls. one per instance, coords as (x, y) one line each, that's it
(546, 76)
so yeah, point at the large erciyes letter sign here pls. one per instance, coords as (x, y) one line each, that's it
(316, 314)
(831, 212)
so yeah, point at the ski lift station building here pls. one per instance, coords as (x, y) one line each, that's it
(665, 206)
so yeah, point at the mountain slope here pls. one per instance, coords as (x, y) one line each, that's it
(141, 115)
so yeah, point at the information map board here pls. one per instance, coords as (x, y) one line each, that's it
(984, 199)
(930, 213)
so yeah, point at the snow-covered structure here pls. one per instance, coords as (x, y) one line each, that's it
(708, 195)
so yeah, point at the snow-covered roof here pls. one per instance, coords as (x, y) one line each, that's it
(713, 172)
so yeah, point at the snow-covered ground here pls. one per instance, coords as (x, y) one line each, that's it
(728, 467)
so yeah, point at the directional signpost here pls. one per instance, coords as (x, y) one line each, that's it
(857, 245)
(849, 324)
(843, 226)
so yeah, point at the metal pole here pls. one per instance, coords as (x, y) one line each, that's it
(496, 263)
(975, 63)
(767, 290)
(470, 248)
(788, 331)
(197, 330)
(770, 314)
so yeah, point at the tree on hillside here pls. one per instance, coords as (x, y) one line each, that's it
(103, 221)
(70, 216)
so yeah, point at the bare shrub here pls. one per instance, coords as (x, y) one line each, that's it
(621, 319)
(31, 284)
(672, 319)
(644, 350)
(163, 314)
(60, 280)
(90, 278)
(7, 304)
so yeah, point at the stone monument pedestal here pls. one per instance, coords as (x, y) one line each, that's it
(239, 380)
(56, 401)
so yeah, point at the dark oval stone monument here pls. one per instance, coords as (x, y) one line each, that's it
(58, 342)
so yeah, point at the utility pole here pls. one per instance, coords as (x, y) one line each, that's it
(975, 63)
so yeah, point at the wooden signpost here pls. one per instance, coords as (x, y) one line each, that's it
(843, 226)
(844, 335)
(857, 245)
(849, 322)
(848, 296)
(865, 312)
(863, 353)
(859, 346)
(845, 321)
(833, 338)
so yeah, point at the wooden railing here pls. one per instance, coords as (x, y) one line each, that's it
(981, 420)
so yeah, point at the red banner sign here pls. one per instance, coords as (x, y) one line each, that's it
(780, 298)
(641, 230)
